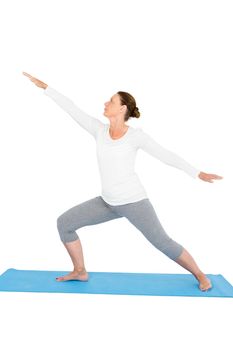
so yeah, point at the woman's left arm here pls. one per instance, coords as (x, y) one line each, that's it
(149, 145)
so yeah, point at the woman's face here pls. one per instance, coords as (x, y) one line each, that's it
(113, 107)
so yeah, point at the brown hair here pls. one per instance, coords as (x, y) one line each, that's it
(129, 101)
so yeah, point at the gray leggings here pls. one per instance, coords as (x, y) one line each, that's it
(141, 214)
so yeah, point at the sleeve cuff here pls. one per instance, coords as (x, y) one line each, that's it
(196, 172)
(47, 90)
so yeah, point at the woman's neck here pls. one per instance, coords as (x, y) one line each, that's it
(118, 130)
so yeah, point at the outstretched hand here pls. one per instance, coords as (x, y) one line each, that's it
(36, 81)
(209, 177)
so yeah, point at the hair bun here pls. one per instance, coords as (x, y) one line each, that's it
(136, 113)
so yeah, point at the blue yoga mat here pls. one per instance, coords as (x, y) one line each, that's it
(160, 284)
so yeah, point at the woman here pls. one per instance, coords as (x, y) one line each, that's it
(123, 195)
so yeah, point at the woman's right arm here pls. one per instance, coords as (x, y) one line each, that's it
(89, 123)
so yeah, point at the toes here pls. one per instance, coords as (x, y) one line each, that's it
(59, 279)
(206, 288)
(205, 284)
(66, 278)
(62, 278)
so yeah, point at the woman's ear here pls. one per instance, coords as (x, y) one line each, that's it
(123, 108)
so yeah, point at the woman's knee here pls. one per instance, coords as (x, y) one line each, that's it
(66, 234)
(60, 223)
(173, 249)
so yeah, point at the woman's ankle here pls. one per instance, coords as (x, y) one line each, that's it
(199, 275)
(80, 270)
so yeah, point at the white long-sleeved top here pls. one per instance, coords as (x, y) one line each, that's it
(116, 158)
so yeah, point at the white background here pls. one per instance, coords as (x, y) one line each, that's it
(175, 58)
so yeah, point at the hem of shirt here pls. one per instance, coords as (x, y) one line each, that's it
(128, 201)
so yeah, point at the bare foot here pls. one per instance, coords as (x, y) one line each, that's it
(204, 282)
(74, 275)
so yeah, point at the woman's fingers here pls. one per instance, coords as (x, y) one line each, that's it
(36, 81)
(33, 79)
(209, 177)
(27, 75)
(215, 177)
